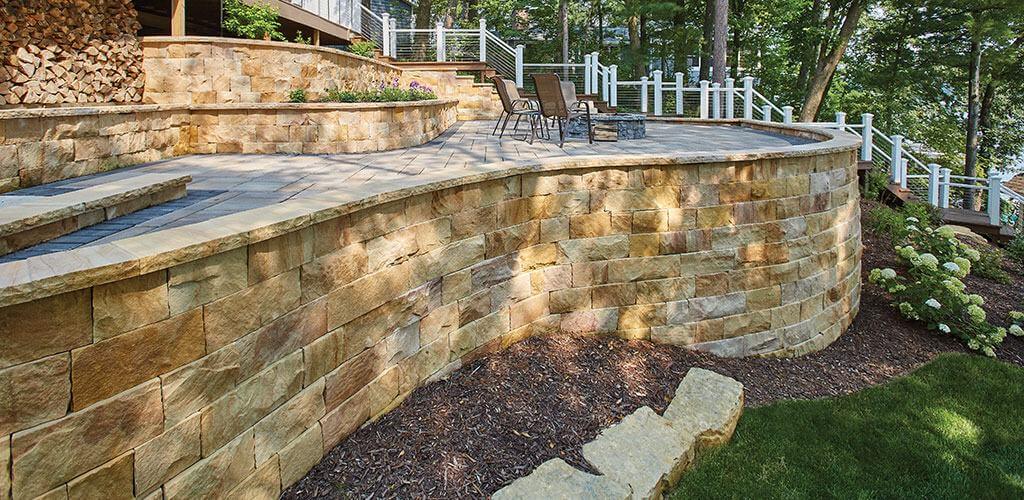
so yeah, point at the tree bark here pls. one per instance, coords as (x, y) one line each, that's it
(705, 43)
(827, 66)
(633, 25)
(563, 23)
(721, 36)
(737, 40)
(973, 109)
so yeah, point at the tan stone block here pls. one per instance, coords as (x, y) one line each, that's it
(665, 290)
(606, 179)
(641, 316)
(643, 268)
(128, 304)
(593, 249)
(289, 421)
(438, 323)
(56, 452)
(344, 419)
(5, 465)
(682, 218)
(712, 284)
(390, 249)
(537, 257)
(469, 337)
(196, 385)
(456, 286)
(764, 298)
(333, 270)
(58, 493)
(589, 273)
(670, 175)
(383, 390)
(774, 253)
(644, 245)
(717, 216)
(367, 293)
(418, 368)
(32, 330)
(277, 255)
(694, 240)
(160, 459)
(594, 321)
(593, 225)
(509, 239)
(321, 356)
(569, 300)
(282, 337)
(263, 484)
(111, 480)
(34, 393)
(231, 317)
(353, 375)
(650, 221)
(613, 295)
(217, 474)
(250, 401)
(745, 324)
(733, 192)
(529, 310)
(365, 331)
(375, 221)
(202, 281)
(555, 229)
(300, 455)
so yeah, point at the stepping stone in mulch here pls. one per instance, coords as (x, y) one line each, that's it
(557, 480)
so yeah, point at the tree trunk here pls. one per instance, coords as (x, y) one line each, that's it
(721, 36)
(705, 43)
(973, 108)
(809, 60)
(827, 66)
(563, 23)
(737, 40)
(985, 124)
(633, 24)
(679, 47)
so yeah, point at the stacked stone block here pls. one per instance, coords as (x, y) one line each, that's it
(229, 368)
(44, 145)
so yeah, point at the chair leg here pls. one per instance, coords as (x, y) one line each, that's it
(561, 133)
(495, 131)
(515, 128)
(503, 125)
(590, 130)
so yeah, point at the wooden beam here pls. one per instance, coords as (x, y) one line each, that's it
(177, 17)
(316, 37)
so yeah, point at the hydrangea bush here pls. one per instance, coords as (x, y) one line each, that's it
(931, 290)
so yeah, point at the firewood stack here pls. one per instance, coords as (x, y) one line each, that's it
(67, 52)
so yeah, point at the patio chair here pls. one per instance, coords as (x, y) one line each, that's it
(558, 102)
(513, 105)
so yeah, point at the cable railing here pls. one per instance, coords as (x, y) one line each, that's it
(371, 26)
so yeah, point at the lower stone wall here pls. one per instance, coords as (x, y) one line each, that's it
(477, 101)
(46, 145)
(241, 350)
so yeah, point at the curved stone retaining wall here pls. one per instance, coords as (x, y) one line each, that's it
(226, 357)
(45, 145)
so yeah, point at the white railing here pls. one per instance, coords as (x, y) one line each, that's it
(347, 13)
(371, 26)
(443, 44)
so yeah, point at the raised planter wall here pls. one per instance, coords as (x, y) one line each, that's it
(226, 357)
(207, 70)
(45, 145)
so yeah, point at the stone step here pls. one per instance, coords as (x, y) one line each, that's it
(644, 454)
(29, 220)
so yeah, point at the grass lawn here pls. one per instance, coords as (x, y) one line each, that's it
(953, 428)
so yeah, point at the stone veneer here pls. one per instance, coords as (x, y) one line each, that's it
(226, 357)
(45, 145)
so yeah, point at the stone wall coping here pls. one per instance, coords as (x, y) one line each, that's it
(269, 44)
(56, 273)
(22, 113)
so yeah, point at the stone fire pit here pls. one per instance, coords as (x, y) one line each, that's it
(610, 126)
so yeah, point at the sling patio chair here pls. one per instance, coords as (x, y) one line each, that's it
(558, 102)
(513, 105)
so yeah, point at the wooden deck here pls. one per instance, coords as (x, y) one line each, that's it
(977, 222)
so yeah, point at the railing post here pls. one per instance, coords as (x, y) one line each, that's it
(867, 133)
(483, 40)
(679, 93)
(944, 189)
(394, 37)
(995, 183)
(748, 98)
(704, 99)
(613, 83)
(730, 98)
(606, 76)
(385, 36)
(896, 159)
(766, 113)
(716, 100)
(933, 184)
(903, 173)
(595, 65)
(840, 120)
(519, 65)
(439, 40)
(787, 114)
(657, 92)
(588, 87)
(643, 94)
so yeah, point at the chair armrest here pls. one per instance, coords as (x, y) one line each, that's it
(525, 103)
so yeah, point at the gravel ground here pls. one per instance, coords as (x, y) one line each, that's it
(498, 418)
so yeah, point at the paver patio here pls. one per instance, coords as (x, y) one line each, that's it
(228, 183)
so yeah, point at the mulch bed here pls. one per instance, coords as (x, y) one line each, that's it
(497, 419)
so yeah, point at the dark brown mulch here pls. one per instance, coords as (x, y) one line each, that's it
(499, 418)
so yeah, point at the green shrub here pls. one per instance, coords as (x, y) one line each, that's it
(931, 289)
(990, 265)
(875, 185)
(364, 48)
(297, 95)
(1015, 249)
(301, 39)
(258, 21)
(893, 222)
(382, 93)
